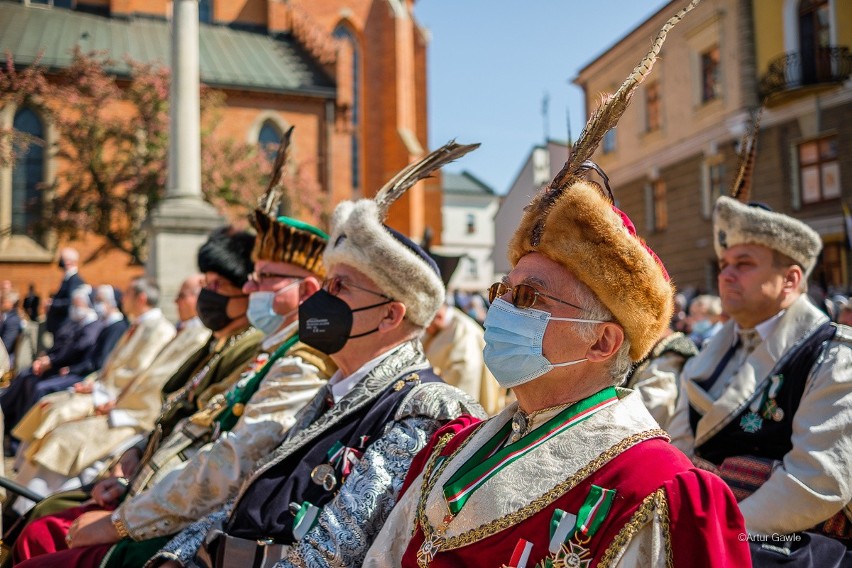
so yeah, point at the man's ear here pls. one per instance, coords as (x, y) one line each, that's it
(394, 316)
(308, 287)
(793, 278)
(609, 340)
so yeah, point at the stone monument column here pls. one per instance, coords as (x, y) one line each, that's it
(181, 221)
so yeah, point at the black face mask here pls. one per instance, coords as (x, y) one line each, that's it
(325, 322)
(212, 308)
(62, 264)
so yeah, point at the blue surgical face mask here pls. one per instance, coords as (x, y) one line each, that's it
(513, 339)
(261, 314)
(701, 327)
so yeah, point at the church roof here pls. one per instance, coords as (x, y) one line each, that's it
(229, 58)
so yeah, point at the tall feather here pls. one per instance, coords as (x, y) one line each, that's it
(741, 188)
(612, 107)
(416, 171)
(268, 202)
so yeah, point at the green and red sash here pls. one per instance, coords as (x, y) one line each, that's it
(490, 459)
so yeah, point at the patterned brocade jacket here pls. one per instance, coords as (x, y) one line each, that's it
(365, 443)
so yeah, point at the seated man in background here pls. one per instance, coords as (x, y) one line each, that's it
(74, 449)
(10, 320)
(106, 304)
(133, 354)
(73, 343)
(705, 318)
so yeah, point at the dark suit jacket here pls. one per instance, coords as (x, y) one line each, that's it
(58, 311)
(74, 347)
(10, 328)
(104, 345)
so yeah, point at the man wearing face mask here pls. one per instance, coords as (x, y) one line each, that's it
(113, 326)
(70, 455)
(577, 472)
(322, 495)
(203, 463)
(76, 340)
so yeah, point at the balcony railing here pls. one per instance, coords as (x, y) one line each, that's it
(825, 65)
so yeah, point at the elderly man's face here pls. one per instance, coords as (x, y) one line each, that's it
(561, 343)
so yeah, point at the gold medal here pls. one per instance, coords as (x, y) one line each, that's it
(323, 474)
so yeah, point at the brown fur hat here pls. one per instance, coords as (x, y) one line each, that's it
(598, 244)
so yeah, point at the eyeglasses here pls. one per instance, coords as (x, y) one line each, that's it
(524, 296)
(257, 277)
(336, 284)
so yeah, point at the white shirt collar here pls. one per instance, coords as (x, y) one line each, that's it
(153, 313)
(764, 329)
(113, 318)
(69, 273)
(191, 323)
(340, 385)
(279, 336)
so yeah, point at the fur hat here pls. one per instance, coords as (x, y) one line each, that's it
(228, 253)
(573, 223)
(400, 268)
(284, 239)
(289, 240)
(736, 223)
(597, 243)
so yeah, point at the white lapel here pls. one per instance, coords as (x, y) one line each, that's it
(523, 481)
(798, 322)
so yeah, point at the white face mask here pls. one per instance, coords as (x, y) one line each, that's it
(513, 338)
(78, 313)
(261, 313)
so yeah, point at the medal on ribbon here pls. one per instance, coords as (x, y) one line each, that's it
(570, 533)
(521, 555)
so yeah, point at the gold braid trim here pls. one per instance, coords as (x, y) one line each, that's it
(539, 504)
(655, 502)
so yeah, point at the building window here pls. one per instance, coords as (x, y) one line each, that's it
(27, 177)
(659, 211)
(472, 268)
(205, 11)
(344, 33)
(711, 86)
(269, 138)
(829, 269)
(717, 184)
(471, 223)
(819, 171)
(814, 39)
(653, 118)
(609, 141)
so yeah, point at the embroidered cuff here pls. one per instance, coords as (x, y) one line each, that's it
(119, 525)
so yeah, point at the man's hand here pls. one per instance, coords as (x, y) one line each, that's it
(64, 371)
(104, 408)
(41, 365)
(83, 387)
(107, 492)
(94, 527)
(127, 464)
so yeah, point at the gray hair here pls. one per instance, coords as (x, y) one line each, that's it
(712, 304)
(147, 286)
(594, 309)
(107, 295)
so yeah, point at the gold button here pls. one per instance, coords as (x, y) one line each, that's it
(238, 409)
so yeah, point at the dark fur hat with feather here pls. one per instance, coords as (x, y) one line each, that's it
(573, 222)
(280, 238)
(399, 267)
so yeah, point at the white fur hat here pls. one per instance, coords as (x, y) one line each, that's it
(735, 223)
(360, 240)
(398, 266)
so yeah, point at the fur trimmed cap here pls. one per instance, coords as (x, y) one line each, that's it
(360, 240)
(598, 244)
(399, 267)
(289, 240)
(228, 253)
(736, 223)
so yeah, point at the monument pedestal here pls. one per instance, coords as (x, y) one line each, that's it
(176, 230)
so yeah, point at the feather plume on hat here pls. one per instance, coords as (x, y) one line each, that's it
(283, 239)
(574, 223)
(397, 265)
(738, 221)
